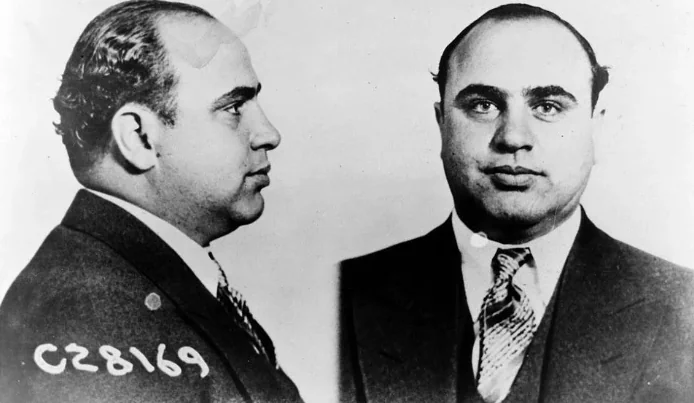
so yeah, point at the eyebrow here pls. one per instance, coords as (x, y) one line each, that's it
(238, 94)
(486, 91)
(547, 92)
(492, 92)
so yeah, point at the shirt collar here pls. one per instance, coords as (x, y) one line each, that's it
(192, 254)
(549, 251)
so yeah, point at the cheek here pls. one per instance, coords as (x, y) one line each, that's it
(464, 144)
(569, 155)
(209, 161)
(219, 144)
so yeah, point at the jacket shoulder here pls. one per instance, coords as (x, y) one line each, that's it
(397, 260)
(80, 323)
(77, 288)
(70, 266)
(625, 271)
(402, 251)
(662, 279)
(416, 264)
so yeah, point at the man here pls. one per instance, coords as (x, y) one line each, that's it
(517, 297)
(123, 302)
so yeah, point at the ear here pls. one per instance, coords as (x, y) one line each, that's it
(136, 131)
(597, 131)
(439, 113)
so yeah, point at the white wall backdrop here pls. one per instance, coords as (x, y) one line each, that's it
(347, 84)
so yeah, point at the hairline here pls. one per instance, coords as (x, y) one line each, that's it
(495, 20)
(153, 14)
(542, 14)
(167, 65)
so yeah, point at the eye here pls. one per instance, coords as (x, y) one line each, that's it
(484, 107)
(547, 109)
(234, 109)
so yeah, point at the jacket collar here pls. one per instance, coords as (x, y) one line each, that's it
(597, 322)
(603, 322)
(154, 259)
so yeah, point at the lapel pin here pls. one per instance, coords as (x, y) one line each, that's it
(153, 301)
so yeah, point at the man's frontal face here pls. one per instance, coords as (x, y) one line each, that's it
(214, 160)
(516, 124)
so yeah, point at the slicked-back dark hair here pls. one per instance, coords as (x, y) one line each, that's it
(517, 11)
(119, 58)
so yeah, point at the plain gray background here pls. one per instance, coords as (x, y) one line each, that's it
(347, 84)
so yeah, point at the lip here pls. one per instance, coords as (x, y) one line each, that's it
(264, 170)
(260, 176)
(261, 180)
(512, 177)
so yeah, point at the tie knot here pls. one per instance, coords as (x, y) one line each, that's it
(506, 262)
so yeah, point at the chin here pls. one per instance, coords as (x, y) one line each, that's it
(247, 213)
(526, 213)
(506, 210)
(518, 213)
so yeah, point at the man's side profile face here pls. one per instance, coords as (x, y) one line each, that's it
(517, 123)
(214, 158)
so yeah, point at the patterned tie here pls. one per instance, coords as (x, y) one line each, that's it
(507, 323)
(233, 302)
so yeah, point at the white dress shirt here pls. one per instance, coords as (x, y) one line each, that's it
(538, 278)
(192, 254)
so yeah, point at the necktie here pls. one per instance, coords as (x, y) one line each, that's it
(233, 302)
(507, 323)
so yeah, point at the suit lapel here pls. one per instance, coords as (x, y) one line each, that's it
(597, 335)
(600, 325)
(411, 332)
(150, 255)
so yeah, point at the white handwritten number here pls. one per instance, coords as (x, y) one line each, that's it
(116, 365)
(81, 354)
(113, 359)
(145, 362)
(190, 356)
(51, 369)
(168, 367)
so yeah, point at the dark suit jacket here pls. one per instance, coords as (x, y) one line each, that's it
(103, 285)
(621, 327)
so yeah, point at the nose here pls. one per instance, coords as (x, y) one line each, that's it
(264, 135)
(513, 133)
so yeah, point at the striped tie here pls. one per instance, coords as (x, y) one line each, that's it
(506, 324)
(233, 302)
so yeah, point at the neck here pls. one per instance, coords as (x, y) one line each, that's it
(512, 232)
(201, 230)
(198, 223)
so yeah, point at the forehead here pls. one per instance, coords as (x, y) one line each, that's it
(518, 54)
(206, 54)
